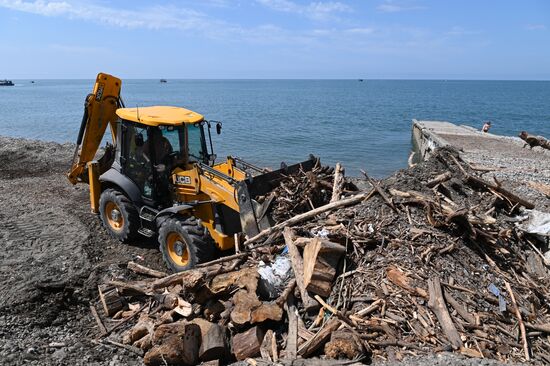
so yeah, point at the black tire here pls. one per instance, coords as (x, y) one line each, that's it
(184, 243)
(122, 224)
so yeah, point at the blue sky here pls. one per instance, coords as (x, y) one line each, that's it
(398, 39)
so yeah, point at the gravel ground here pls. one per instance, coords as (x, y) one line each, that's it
(55, 252)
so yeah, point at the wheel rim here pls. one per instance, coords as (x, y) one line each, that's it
(114, 216)
(177, 249)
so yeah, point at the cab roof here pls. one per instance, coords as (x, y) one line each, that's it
(159, 115)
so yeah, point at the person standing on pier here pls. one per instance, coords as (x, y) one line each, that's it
(486, 126)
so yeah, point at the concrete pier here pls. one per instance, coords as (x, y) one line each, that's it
(502, 157)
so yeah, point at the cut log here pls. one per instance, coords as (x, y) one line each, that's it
(213, 342)
(438, 306)
(338, 183)
(145, 343)
(138, 268)
(321, 258)
(248, 344)
(143, 327)
(110, 299)
(298, 267)
(320, 338)
(178, 349)
(343, 344)
(249, 309)
(304, 334)
(244, 278)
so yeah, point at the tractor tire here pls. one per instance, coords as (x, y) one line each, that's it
(119, 215)
(184, 243)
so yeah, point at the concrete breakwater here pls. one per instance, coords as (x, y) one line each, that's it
(501, 158)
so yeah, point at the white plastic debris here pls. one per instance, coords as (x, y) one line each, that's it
(323, 233)
(538, 223)
(370, 228)
(274, 277)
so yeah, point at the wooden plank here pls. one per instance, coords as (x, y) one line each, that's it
(297, 266)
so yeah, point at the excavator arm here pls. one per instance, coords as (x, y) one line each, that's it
(99, 111)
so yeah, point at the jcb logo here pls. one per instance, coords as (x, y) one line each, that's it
(183, 179)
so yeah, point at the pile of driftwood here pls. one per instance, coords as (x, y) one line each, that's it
(304, 191)
(428, 260)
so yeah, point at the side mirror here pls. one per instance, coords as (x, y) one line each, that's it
(219, 128)
(139, 140)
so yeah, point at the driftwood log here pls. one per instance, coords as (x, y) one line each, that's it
(438, 306)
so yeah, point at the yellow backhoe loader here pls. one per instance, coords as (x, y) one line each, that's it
(160, 178)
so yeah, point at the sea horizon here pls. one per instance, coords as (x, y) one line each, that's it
(363, 125)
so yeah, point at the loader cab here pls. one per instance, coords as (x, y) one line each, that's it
(155, 141)
(196, 144)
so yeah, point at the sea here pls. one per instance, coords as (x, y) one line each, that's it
(361, 124)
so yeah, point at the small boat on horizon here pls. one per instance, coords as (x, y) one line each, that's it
(6, 83)
(360, 80)
(163, 81)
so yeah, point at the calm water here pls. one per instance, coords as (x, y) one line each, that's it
(364, 125)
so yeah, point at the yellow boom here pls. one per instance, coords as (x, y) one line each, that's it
(99, 111)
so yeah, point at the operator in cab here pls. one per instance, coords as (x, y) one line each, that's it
(158, 147)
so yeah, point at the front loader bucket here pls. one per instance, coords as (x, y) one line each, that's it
(255, 216)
